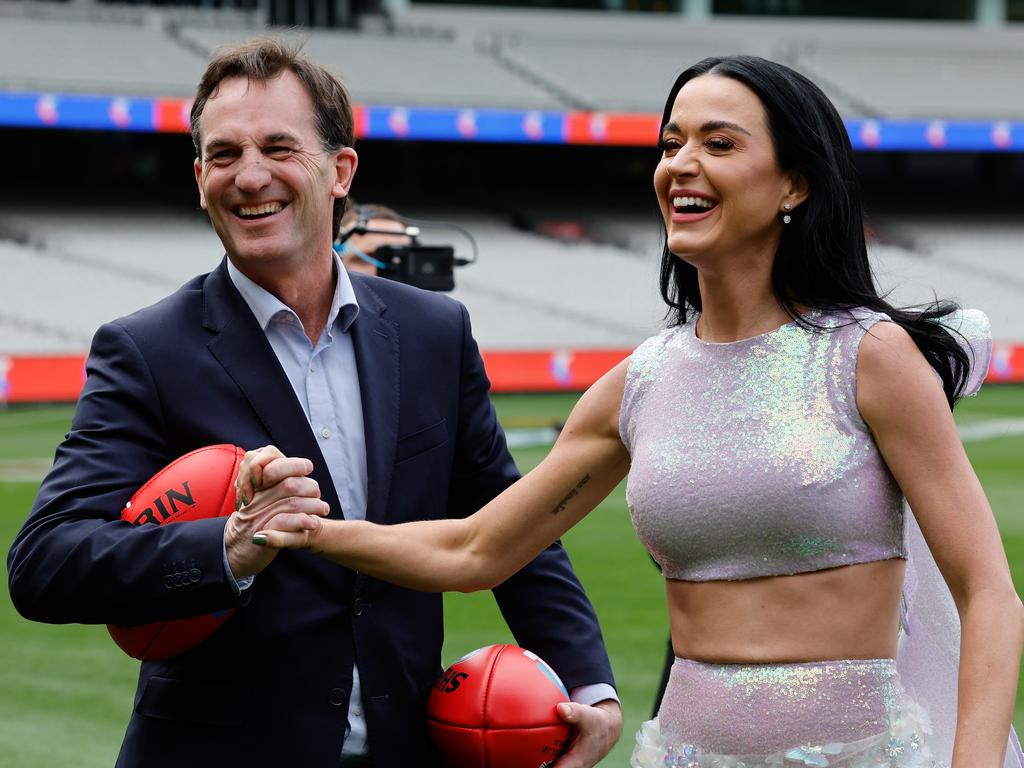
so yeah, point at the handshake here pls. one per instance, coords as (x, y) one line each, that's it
(277, 506)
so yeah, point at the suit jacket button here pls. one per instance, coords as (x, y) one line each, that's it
(337, 697)
(357, 607)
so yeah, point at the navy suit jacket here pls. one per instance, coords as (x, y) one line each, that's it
(271, 687)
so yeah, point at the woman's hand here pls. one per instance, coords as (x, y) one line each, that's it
(290, 532)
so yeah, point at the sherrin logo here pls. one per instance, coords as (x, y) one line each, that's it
(450, 681)
(158, 512)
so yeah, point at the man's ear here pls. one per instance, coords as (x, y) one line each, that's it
(345, 163)
(198, 166)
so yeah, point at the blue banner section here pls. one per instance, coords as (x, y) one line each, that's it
(81, 111)
(121, 113)
(437, 124)
(936, 135)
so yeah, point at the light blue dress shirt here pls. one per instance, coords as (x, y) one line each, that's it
(326, 382)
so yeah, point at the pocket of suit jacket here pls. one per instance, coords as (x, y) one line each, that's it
(421, 440)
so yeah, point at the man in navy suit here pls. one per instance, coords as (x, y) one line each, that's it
(379, 387)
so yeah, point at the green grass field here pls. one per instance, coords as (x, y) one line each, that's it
(66, 691)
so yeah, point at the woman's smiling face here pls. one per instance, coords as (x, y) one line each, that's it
(719, 184)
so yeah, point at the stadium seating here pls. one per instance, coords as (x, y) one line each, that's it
(523, 59)
(105, 57)
(910, 73)
(526, 291)
(422, 71)
(91, 266)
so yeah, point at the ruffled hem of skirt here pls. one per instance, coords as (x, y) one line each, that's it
(904, 745)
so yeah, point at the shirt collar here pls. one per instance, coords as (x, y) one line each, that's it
(265, 305)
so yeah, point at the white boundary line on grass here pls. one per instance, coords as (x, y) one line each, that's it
(33, 470)
(990, 429)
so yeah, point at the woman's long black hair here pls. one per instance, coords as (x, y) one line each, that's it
(822, 260)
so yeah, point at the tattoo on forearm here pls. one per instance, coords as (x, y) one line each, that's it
(574, 492)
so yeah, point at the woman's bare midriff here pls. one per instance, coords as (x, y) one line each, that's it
(850, 612)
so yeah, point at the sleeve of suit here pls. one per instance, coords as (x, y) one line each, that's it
(544, 604)
(74, 560)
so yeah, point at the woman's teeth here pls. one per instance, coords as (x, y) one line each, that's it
(692, 202)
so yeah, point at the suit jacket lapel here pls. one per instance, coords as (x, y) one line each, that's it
(241, 347)
(375, 340)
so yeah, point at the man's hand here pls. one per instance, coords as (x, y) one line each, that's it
(596, 728)
(269, 484)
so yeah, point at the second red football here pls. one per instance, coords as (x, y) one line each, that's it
(496, 708)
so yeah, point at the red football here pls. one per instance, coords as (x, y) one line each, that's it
(198, 485)
(495, 708)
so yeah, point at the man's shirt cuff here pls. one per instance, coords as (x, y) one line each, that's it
(236, 586)
(594, 694)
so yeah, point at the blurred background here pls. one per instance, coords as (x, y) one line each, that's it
(531, 126)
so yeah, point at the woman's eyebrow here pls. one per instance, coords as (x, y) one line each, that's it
(717, 125)
(711, 125)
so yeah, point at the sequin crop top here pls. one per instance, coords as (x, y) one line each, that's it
(750, 458)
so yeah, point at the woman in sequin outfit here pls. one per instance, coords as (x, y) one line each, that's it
(771, 436)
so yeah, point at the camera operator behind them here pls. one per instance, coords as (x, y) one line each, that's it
(359, 249)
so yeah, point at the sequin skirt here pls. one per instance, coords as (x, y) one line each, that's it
(830, 714)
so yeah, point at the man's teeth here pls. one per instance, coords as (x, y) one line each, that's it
(259, 210)
(700, 202)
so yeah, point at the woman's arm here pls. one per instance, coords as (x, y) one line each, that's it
(902, 402)
(586, 463)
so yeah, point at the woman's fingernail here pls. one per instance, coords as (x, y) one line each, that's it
(259, 539)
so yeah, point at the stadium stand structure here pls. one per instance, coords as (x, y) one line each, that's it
(83, 56)
(909, 71)
(869, 69)
(68, 271)
(410, 70)
(88, 266)
(529, 59)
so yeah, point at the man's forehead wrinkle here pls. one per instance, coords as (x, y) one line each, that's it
(283, 136)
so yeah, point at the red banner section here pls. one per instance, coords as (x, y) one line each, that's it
(41, 379)
(549, 370)
(1007, 363)
(56, 379)
(636, 130)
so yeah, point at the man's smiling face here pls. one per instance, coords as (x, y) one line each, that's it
(264, 176)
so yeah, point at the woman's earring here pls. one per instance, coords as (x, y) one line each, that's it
(787, 218)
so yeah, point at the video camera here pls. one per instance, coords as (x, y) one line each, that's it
(431, 267)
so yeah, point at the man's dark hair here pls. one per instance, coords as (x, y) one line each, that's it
(263, 59)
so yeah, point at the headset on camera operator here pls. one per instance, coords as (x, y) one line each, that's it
(376, 240)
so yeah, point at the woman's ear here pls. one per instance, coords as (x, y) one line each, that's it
(798, 189)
